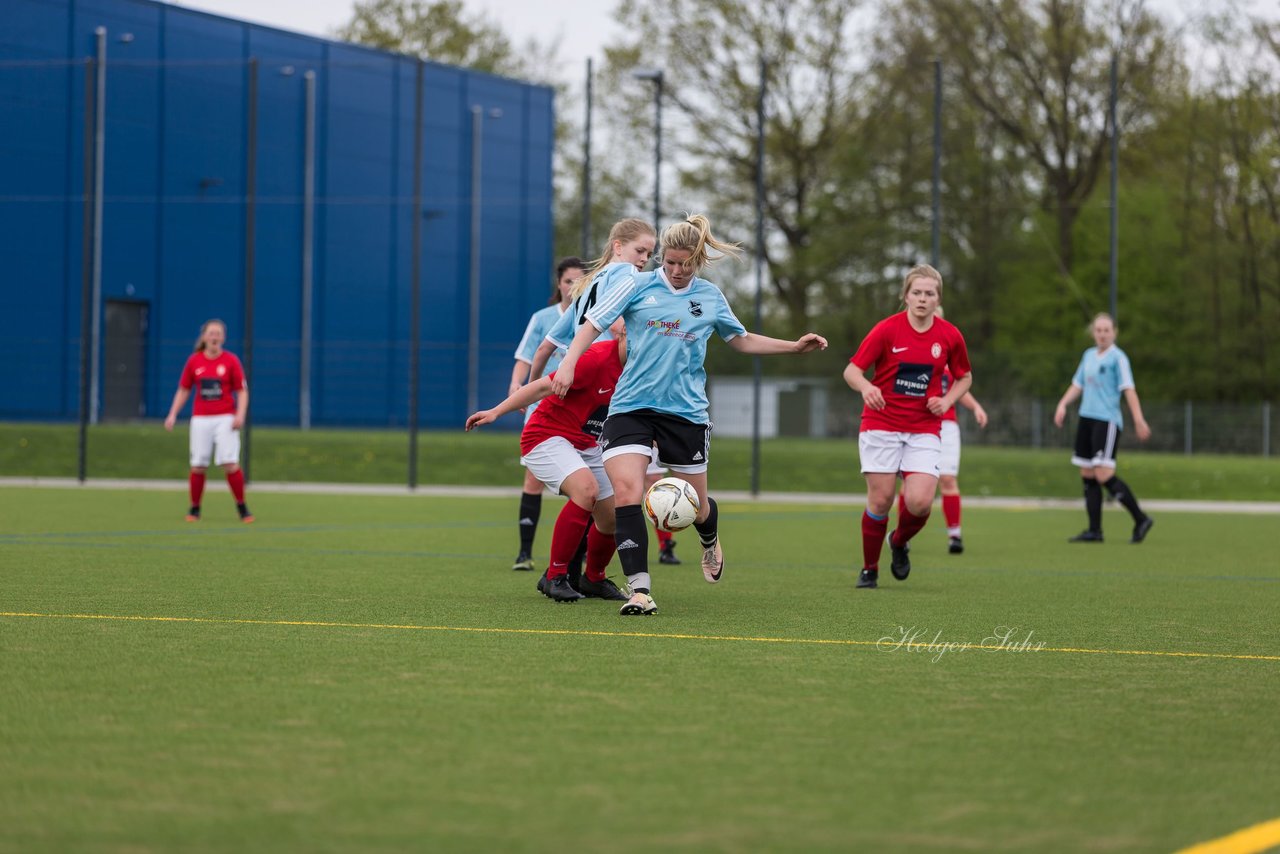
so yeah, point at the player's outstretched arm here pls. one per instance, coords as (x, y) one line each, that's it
(179, 400)
(527, 394)
(762, 345)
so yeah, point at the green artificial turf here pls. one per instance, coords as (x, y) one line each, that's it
(367, 673)
(492, 458)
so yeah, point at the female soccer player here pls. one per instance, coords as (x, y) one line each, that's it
(560, 447)
(1102, 377)
(630, 241)
(568, 271)
(217, 414)
(949, 465)
(902, 411)
(661, 396)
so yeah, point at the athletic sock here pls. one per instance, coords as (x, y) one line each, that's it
(1120, 491)
(1093, 503)
(571, 526)
(196, 485)
(708, 529)
(530, 510)
(874, 529)
(951, 512)
(632, 538)
(575, 562)
(235, 479)
(600, 549)
(664, 537)
(909, 524)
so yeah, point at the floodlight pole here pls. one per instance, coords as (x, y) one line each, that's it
(656, 77)
(757, 368)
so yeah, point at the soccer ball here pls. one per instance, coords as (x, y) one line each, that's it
(671, 504)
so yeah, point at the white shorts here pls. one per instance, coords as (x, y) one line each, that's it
(554, 459)
(213, 439)
(889, 452)
(950, 462)
(655, 467)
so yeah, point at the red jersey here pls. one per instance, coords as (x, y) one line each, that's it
(215, 382)
(908, 371)
(950, 414)
(579, 415)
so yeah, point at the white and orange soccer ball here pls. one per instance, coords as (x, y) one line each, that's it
(671, 504)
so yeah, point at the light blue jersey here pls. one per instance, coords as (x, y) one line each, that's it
(1104, 377)
(613, 275)
(539, 323)
(667, 332)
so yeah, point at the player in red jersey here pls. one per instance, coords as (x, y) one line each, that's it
(902, 411)
(559, 446)
(217, 414)
(949, 467)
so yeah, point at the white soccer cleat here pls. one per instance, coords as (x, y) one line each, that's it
(639, 605)
(713, 563)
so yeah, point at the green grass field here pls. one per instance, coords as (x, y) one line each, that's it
(492, 459)
(356, 673)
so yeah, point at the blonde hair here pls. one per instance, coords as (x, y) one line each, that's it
(1103, 314)
(694, 235)
(623, 231)
(920, 271)
(199, 348)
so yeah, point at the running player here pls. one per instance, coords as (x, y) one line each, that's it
(902, 411)
(568, 271)
(949, 466)
(661, 396)
(217, 414)
(1101, 379)
(560, 447)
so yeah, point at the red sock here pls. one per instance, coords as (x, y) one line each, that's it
(600, 549)
(571, 524)
(908, 524)
(873, 532)
(951, 510)
(197, 487)
(664, 537)
(235, 479)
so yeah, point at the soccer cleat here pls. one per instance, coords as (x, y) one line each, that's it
(868, 577)
(524, 563)
(602, 589)
(193, 515)
(542, 583)
(1140, 530)
(713, 562)
(558, 589)
(667, 554)
(956, 546)
(639, 605)
(245, 515)
(900, 564)
(1086, 537)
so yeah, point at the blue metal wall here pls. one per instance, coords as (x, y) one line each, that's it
(175, 213)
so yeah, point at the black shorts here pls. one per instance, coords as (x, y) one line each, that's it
(1096, 443)
(682, 445)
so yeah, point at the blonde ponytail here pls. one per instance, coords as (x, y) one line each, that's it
(694, 236)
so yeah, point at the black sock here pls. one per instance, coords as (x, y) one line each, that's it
(707, 530)
(1093, 503)
(530, 510)
(1122, 493)
(633, 541)
(575, 563)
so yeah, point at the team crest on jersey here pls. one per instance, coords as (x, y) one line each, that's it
(695, 308)
(222, 369)
(935, 350)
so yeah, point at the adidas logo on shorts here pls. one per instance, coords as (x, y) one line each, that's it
(697, 455)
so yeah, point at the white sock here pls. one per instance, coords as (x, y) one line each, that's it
(640, 579)
(953, 532)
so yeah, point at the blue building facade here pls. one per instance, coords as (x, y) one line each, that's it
(176, 208)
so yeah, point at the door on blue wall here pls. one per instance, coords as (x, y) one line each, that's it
(124, 360)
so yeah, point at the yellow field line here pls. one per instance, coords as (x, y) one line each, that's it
(884, 643)
(1251, 840)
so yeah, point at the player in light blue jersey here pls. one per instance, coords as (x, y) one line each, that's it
(661, 397)
(1103, 377)
(568, 271)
